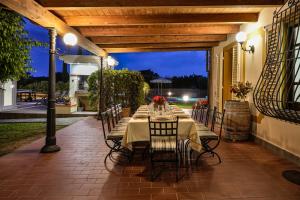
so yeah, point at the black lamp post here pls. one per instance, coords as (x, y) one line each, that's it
(70, 40)
(50, 145)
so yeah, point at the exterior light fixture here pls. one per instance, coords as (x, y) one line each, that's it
(241, 38)
(186, 98)
(169, 94)
(70, 39)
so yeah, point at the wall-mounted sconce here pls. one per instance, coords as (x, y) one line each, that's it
(241, 38)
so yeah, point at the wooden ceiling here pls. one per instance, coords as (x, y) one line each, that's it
(156, 25)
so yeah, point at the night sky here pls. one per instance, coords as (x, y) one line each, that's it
(166, 64)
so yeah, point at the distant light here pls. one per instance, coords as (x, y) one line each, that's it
(12, 86)
(70, 39)
(186, 98)
(169, 93)
(241, 37)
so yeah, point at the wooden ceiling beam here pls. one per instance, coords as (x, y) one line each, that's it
(59, 4)
(158, 30)
(158, 39)
(160, 45)
(160, 19)
(45, 18)
(129, 50)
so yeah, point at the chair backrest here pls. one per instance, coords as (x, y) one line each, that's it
(217, 121)
(163, 130)
(195, 111)
(203, 115)
(106, 126)
(115, 115)
(119, 110)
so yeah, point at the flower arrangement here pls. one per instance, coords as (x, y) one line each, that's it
(203, 102)
(241, 90)
(159, 100)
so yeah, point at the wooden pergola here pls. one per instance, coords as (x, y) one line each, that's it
(110, 26)
(105, 26)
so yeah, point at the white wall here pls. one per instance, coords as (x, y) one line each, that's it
(279, 133)
(8, 97)
(83, 69)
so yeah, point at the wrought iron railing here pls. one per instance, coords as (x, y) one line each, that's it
(277, 93)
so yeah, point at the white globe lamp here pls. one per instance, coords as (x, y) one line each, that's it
(241, 37)
(70, 39)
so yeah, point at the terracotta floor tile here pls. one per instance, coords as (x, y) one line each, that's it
(247, 172)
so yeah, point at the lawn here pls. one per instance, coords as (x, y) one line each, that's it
(13, 135)
(184, 105)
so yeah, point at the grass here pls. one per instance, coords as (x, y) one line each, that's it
(184, 105)
(13, 135)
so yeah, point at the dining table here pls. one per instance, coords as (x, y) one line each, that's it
(137, 129)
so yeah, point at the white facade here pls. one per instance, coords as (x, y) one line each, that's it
(82, 66)
(8, 92)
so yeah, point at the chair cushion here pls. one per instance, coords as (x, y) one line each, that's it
(121, 125)
(161, 144)
(201, 127)
(125, 119)
(115, 134)
(208, 135)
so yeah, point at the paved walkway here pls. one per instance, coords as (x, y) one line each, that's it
(59, 121)
(248, 172)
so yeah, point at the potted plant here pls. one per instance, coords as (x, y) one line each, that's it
(241, 90)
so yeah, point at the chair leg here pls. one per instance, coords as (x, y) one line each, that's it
(212, 152)
(219, 158)
(176, 168)
(152, 166)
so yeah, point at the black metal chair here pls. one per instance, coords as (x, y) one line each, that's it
(112, 135)
(163, 139)
(118, 108)
(210, 140)
(203, 118)
(117, 118)
(195, 112)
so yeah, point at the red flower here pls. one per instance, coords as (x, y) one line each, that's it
(159, 100)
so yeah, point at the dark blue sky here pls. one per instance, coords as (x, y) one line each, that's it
(166, 64)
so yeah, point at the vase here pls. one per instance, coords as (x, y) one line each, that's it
(160, 109)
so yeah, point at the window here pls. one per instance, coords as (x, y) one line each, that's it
(82, 82)
(293, 70)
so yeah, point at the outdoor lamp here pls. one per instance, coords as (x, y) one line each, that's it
(241, 38)
(110, 61)
(169, 93)
(70, 39)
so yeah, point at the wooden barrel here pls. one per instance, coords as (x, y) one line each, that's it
(237, 121)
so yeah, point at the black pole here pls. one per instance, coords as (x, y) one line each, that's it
(101, 107)
(50, 145)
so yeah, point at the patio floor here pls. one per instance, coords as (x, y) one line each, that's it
(78, 172)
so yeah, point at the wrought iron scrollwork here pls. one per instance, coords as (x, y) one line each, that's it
(277, 93)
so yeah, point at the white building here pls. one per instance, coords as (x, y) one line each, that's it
(8, 95)
(81, 67)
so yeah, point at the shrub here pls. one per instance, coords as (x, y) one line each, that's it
(119, 86)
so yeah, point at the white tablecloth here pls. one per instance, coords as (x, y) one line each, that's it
(138, 130)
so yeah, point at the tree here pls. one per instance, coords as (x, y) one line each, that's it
(15, 46)
(149, 75)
